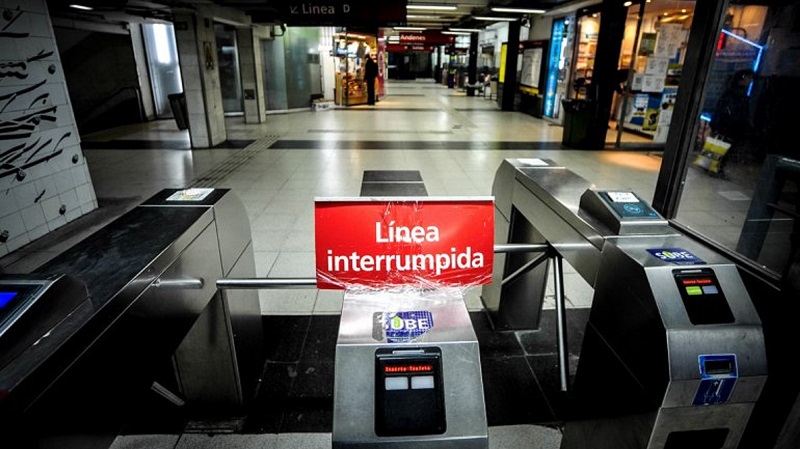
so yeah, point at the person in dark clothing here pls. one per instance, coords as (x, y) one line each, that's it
(370, 73)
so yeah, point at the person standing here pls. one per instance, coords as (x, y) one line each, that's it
(370, 73)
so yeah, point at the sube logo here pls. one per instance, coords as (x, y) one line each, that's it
(675, 255)
(399, 327)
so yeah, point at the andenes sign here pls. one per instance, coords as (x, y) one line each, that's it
(416, 241)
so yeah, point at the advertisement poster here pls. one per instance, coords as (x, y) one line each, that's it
(531, 67)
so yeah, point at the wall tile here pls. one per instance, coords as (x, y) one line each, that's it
(38, 232)
(8, 202)
(56, 223)
(50, 208)
(25, 194)
(13, 224)
(14, 244)
(33, 217)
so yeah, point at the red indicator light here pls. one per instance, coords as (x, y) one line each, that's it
(697, 281)
(407, 369)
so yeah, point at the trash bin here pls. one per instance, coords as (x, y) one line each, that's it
(177, 102)
(580, 129)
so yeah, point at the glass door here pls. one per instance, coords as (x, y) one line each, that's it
(162, 60)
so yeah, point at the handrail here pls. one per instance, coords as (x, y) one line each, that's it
(100, 109)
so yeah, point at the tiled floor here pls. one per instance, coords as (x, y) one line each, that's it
(455, 142)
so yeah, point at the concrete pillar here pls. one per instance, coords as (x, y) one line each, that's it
(142, 72)
(197, 52)
(252, 72)
(508, 93)
(472, 67)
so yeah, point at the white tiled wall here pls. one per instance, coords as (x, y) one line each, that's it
(58, 189)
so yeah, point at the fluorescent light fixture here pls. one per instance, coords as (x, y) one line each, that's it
(520, 10)
(82, 7)
(413, 16)
(626, 4)
(466, 30)
(495, 19)
(457, 33)
(410, 28)
(433, 7)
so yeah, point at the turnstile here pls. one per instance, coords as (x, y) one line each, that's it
(673, 354)
(673, 350)
(149, 321)
(408, 372)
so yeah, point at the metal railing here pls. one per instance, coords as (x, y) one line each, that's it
(545, 248)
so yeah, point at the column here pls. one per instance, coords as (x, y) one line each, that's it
(472, 67)
(198, 55)
(508, 92)
(249, 41)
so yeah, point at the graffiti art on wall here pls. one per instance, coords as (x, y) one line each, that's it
(32, 131)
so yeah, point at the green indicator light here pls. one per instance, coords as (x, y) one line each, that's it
(694, 290)
(397, 322)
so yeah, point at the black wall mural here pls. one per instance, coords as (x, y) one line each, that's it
(36, 125)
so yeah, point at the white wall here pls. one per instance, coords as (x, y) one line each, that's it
(45, 182)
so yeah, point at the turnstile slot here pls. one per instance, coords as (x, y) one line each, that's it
(705, 439)
(718, 367)
(703, 297)
(409, 396)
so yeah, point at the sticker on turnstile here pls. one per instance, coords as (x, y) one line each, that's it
(535, 162)
(190, 195)
(718, 375)
(677, 256)
(402, 327)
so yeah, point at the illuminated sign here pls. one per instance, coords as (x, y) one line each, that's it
(6, 297)
(425, 241)
(391, 369)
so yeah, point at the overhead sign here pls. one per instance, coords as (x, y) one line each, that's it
(401, 48)
(416, 241)
(427, 38)
(344, 12)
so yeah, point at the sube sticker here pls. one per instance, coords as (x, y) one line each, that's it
(677, 256)
(402, 327)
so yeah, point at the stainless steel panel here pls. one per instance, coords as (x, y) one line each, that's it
(174, 310)
(233, 227)
(581, 252)
(730, 416)
(354, 383)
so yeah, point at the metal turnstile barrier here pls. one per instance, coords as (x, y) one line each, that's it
(672, 330)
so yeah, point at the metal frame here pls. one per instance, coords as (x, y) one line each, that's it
(550, 253)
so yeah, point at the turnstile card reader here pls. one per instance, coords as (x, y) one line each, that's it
(408, 372)
(674, 352)
(409, 396)
(622, 212)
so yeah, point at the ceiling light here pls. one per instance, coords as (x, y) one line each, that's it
(520, 10)
(411, 16)
(496, 19)
(81, 7)
(466, 30)
(432, 7)
(626, 4)
(683, 11)
(410, 28)
(457, 33)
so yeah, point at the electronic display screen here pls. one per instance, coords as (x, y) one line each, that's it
(6, 298)
(703, 297)
(409, 394)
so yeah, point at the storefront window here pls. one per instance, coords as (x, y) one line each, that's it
(741, 189)
(351, 51)
(588, 30)
(650, 65)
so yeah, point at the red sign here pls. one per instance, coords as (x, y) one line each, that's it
(427, 38)
(422, 242)
(399, 48)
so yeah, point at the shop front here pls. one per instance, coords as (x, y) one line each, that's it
(351, 51)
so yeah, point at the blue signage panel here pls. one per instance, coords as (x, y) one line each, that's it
(718, 375)
(558, 36)
(403, 327)
(677, 256)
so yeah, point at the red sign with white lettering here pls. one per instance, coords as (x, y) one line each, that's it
(423, 242)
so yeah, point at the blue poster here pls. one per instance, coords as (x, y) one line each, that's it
(559, 34)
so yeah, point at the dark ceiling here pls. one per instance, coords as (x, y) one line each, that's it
(271, 11)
